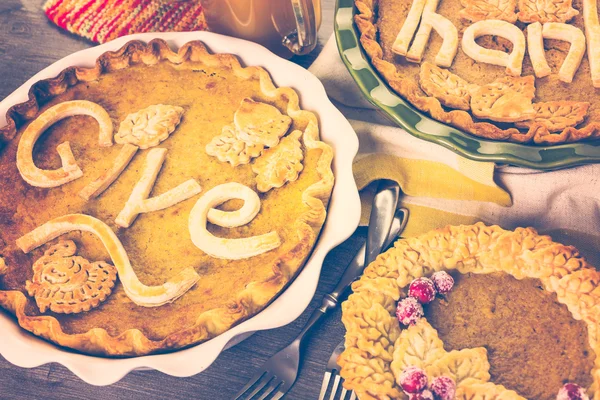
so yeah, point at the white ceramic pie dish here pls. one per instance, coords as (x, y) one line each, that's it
(26, 350)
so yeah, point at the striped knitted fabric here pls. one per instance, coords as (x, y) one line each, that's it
(104, 20)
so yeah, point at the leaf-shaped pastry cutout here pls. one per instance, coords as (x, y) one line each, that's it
(417, 346)
(227, 147)
(557, 115)
(450, 89)
(546, 11)
(260, 123)
(279, 164)
(475, 390)
(498, 102)
(479, 10)
(524, 85)
(363, 372)
(150, 126)
(66, 283)
(462, 364)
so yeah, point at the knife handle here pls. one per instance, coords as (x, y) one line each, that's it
(357, 265)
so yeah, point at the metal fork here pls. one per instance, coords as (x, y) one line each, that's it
(333, 370)
(279, 373)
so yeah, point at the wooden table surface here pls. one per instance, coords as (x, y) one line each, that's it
(29, 43)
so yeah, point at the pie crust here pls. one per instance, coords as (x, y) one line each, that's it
(391, 62)
(279, 269)
(378, 349)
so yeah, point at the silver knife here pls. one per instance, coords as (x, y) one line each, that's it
(380, 221)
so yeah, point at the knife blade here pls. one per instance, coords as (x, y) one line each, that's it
(380, 221)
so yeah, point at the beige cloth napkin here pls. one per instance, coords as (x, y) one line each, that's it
(443, 188)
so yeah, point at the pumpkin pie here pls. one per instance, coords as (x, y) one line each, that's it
(454, 59)
(474, 312)
(155, 200)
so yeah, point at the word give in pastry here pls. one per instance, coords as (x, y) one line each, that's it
(69, 284)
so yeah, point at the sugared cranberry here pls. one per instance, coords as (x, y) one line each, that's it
(409, 311)
(424, 395)
(443, 282)
(423, 290)
(571, 391)
(413, 380)
(443, 388)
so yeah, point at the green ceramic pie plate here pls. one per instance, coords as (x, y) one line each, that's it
(426, 128)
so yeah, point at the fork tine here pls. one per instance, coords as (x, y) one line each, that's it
(353, 396)
(271, 388)
(325, 384)
(278, 395)
(343, 394)
(256, 379)
(336, 383)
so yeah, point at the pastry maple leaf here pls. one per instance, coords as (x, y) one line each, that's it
(546, 11)
(478, 10)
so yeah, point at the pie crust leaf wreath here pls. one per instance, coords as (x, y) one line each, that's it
(387, 59)
(479, 10)
(65, 283)
(208, 322)
(366, 365)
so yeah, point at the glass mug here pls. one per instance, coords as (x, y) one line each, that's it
(286, 27)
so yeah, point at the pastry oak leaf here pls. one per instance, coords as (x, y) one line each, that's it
(150, 126)
(69, 284)
(504, 100)
(461, 365)
(450, 89)
(260, 123)
(417, 346)
(279, 164)
(227, 147)
(557, 115)
(524, 85)
(546, 11)
(479, 10)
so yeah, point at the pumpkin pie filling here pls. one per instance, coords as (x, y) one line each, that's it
(534, 344)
